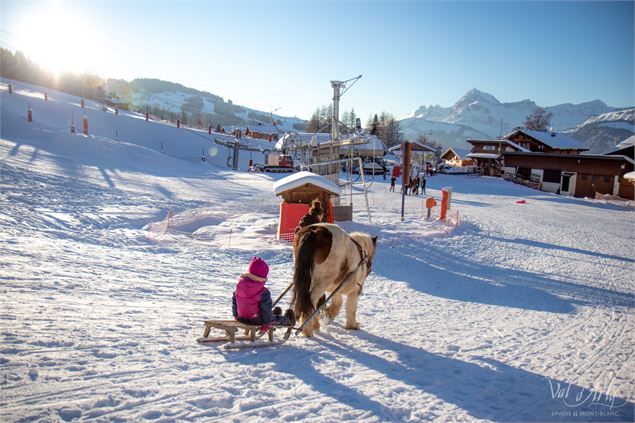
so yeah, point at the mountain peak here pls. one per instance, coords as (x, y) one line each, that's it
(475, 95)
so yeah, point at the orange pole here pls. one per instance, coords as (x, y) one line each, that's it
(444, 204)
(85, 125)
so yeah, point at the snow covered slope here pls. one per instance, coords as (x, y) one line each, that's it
(176, 98)
(482, 112)
(524, 312)
(55, 116)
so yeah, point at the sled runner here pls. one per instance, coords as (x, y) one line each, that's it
(250, 338)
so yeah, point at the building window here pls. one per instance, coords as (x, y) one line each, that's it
(489, 147)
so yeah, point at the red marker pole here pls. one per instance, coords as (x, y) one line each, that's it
(445, 197)
(85, 125)
(209, 129)
(29, 115)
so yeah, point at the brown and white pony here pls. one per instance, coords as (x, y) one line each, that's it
(324, 256)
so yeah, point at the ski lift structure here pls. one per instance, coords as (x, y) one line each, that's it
(331, 154)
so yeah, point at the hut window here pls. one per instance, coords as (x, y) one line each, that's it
(607, 179)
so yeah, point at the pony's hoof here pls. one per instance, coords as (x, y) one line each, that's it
(354, 326)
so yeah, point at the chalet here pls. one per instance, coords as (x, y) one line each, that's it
(556, 163)
(579, 175)
(457, 157)
(262, 132)
(488, 154)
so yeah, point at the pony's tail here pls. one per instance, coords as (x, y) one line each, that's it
(304, 263)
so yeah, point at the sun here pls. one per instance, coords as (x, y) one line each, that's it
(61, 40)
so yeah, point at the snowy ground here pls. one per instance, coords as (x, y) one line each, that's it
(520, 314)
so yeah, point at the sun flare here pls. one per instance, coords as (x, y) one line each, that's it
(61, 40)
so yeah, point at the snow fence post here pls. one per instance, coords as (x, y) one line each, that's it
(29, 114)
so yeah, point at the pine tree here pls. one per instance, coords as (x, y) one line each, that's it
(373, 128)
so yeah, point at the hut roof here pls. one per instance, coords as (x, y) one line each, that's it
(300, 178)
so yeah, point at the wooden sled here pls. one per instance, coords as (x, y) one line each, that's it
(249, 339)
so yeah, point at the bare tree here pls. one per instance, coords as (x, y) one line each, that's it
(538, 120)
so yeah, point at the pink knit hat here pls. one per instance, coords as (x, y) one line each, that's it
(258, 267)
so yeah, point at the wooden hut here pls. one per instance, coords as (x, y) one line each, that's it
(298, 191)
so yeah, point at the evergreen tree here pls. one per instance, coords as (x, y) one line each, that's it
(373, 127)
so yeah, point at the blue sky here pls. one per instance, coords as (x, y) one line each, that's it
(269, 55)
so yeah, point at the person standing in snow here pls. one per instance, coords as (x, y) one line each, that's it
(251, 301)
(313, 216)
(423, 185)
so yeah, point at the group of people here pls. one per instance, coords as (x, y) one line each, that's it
(251, 301)
(417, 181)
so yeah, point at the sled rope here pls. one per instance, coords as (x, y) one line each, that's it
(341, 284)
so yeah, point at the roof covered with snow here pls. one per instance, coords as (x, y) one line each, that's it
(483, 155)
(298, 179)
(416, 146)
(628, 142)
(461, 153)
(364, 142)
(555, 140)
(263, 128)
(630, 176)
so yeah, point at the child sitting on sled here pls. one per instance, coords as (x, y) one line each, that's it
(251, 301)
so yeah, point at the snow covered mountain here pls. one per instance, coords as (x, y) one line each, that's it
(602, 133)
(483, 114)
(157, 96)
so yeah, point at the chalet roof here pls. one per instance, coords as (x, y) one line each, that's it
(499, 141)
(461, 153)
(628, 142)
(300, 178)
(484, 155)
(576, 156)
(625, 148)
(416, 146)
(555, 140)
(263, 128)
(630, 176)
